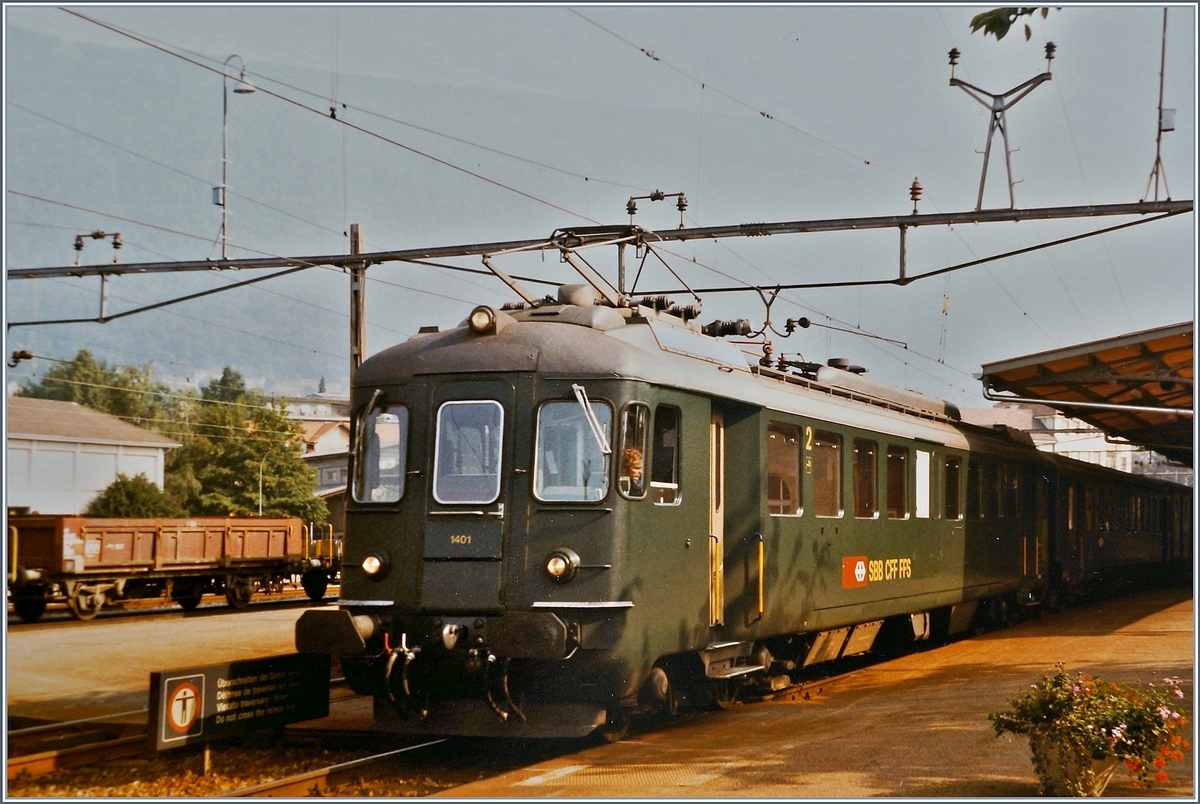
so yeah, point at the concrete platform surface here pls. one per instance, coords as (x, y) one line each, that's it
(69, 670)
(913, 727)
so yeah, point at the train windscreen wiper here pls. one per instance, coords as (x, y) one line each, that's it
(593, 422)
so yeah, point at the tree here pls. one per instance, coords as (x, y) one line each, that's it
(129, 392)
(321, 387)
(133, 497)
(239, 437)
(997, 21)
(230, 388)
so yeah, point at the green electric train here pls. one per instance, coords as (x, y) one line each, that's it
(570, 511)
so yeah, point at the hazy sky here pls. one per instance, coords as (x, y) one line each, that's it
(562, 113)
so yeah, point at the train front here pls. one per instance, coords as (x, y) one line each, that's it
(480, 589)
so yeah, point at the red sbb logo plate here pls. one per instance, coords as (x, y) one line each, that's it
(854, 571)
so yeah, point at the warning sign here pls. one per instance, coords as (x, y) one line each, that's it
(854, 571)
(222, 700)
(185, 702)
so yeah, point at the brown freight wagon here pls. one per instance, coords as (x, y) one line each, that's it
(90, 562)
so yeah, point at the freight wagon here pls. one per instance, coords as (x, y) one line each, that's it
(91, 562)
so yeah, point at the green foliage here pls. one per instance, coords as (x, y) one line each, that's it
(133, 497)
(1088, 718)
(230, 388)
(997, 21)
(126, 391)
(238, 438)
(227, 432)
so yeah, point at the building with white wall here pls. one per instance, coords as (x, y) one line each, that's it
(61, 455)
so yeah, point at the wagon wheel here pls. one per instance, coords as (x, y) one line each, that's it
(725, 693)
(616, 726)
(85, 604)
(188, 597)
(315, 582)
(238, 592)
(29, 608)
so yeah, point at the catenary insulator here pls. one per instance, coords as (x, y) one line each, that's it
(954, 54)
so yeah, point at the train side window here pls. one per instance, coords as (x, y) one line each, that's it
(866, 494)
(382, 452)
(466, 457)
(827, 472)
(991, 490)
(897, 482)
(1009, 490)
(974, 489)
(635, 440)
(664, 469)
(952, 480)
(783, 469)
(923, 483)
(568, 464)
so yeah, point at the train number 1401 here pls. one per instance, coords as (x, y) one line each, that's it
(460, 538)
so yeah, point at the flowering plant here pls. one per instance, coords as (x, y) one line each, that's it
(1087, 718)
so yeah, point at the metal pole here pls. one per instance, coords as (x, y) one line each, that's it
(224, 155)
(243, 87)
(358, 306)
(260, 474)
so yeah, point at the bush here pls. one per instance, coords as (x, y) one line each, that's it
(133, 497)
(1088, 718)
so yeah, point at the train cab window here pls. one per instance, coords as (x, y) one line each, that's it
(635, 441)
(568, 462)
(951, 485)
(783, 469)
(866, 494)
(466, 457)
(380, 465)
(924, 483)
(974, 490)
(897, 482)
(664, 468)
(827, 472)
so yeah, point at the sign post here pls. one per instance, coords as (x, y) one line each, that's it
(201, 704)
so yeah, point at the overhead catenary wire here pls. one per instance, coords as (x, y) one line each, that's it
(343, 104)
(706, 85)
(346, 123)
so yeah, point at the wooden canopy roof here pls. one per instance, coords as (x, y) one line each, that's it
(1132, 387)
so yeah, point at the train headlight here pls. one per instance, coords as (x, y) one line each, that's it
(375, 566)
(482, 320)
(562, 564)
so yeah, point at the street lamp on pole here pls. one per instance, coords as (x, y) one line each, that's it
(242, 86)
(260, 479)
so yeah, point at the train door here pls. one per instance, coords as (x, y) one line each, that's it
(468, 504)
(716, 519)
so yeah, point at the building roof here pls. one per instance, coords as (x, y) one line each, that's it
(50, 420)
(1132, 387)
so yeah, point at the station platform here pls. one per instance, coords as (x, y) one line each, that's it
(915, 726)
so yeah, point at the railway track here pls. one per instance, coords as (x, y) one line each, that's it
(57, 613)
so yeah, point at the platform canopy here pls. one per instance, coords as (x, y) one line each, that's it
(1131, 386)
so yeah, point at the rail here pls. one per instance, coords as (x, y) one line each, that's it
(316, 782)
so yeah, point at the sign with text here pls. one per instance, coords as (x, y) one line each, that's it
(199, 704)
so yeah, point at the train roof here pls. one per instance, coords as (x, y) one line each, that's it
(573, 336)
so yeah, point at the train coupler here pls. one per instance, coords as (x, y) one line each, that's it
(501, 713)
(405, 656)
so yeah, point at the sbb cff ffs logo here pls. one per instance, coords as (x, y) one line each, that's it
(860, 571)
(854, 572)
